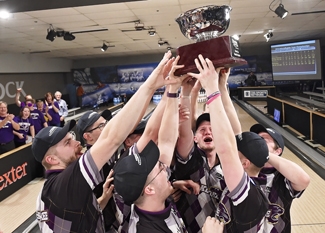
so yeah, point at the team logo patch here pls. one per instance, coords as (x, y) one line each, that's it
(42, 216)
(273, 213)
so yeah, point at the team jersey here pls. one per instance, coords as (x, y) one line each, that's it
(67, 203)
(280, 194)
(243, 210)
(195, 209)
(167, 220)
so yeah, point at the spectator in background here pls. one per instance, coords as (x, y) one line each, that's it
(53, 110)
(22, 104)
(44, 109)
(7, 125)
(37, 116)
(26, 132)
(63, 108)
(251, 80)
(80, 93)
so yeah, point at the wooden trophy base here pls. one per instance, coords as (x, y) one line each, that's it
(222, 51)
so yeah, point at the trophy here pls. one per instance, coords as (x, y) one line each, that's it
(204, 25)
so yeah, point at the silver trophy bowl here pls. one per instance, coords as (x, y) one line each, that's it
(204, 23)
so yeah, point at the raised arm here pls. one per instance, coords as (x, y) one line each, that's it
(194, 94)
(118, 128)
(17, 101)
(227, 103)
(153, 125)
(168, 132)
(298, 178)
(185, 140)
(223, 136)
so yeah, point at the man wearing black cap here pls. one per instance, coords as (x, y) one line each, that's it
(66, 202)
(231, 193)
(142, 177)
(89, 128)
(285, 181)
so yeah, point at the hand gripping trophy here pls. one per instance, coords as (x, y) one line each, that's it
(205, 25)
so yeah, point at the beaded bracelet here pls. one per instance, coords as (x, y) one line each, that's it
(213, 98)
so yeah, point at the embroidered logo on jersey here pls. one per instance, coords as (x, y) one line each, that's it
(42, 216)
(222, 214)
(214, 192)
(273, 213)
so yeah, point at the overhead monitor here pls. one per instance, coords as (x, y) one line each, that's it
(296, 61)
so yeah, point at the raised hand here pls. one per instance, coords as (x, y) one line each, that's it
(175, 82)
(157, 78)
(184, 113)
(223, 76)
(18, 90)
(208, 76)
(188, 85)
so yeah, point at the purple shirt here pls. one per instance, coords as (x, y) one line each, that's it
(24, 128)
(6, 134)
(55, 115)
(38, 120)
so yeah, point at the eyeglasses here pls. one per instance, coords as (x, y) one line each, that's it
(73, 135)
(29, 104)
(100, 126)
(162, 167)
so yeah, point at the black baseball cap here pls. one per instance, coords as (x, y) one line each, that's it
(253, 147)
(48, 137)
(89, 118)
(201, 118)
(131, 172)
(258, 128)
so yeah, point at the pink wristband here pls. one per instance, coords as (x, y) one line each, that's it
(213, 98)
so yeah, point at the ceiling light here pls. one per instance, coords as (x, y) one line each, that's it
(51, 33)
(5, 14)
(152, 33)
(280, 11)
(104, 47)
(268, 35)
(68, 36)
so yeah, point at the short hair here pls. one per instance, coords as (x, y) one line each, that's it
(48, 94)
(57, 92)
(5, 103)
(51, 150)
